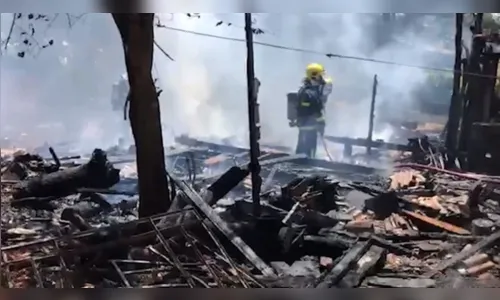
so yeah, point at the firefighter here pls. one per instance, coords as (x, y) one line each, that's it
(120, 93)
(312, 97)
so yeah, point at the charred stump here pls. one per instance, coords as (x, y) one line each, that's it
(98, 172)
(136, 31)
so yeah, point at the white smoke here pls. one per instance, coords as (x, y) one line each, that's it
(205, 87)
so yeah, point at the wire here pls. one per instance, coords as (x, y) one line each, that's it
(329, 55)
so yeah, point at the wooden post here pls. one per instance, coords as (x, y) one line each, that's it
(454, 113)
(473, 104)
(253, 118)
(372, 115)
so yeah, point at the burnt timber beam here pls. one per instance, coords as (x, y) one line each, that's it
(253, 85)
(344, 265)
(372, 116)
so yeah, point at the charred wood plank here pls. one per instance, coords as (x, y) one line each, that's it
(437, 223)
(366, 265)
(344, 265)
(37, 203)
(226, 182)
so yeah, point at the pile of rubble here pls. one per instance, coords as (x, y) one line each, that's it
(71, 222)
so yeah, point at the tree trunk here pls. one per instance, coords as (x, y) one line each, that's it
(136, 31)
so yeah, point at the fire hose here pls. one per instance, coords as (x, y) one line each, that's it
(323, 141)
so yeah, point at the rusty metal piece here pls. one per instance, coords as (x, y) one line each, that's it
(437, 223)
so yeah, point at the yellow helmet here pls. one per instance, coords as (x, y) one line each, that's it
(314, 70)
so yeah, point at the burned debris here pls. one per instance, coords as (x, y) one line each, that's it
(323, 224)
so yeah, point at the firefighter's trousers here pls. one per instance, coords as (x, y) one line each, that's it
(307, 141)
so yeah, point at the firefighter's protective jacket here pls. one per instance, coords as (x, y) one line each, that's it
(311, 104)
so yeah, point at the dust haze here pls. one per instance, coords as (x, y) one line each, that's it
(61, 94)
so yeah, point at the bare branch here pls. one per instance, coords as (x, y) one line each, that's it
(72, 20)
(163, 51)
(10, 31)
(52, 21)
(68, 17)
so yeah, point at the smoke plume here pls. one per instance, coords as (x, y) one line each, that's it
(62, 93)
